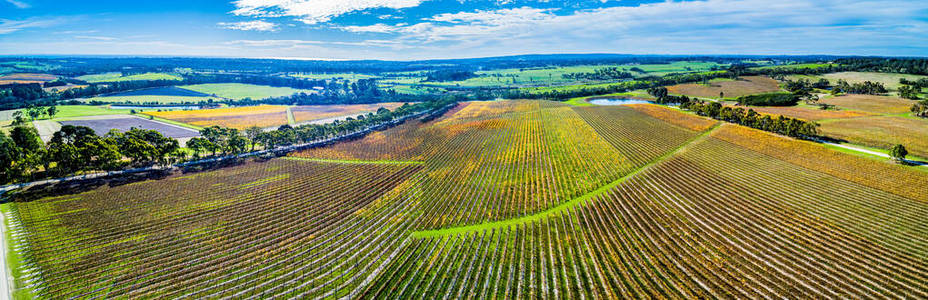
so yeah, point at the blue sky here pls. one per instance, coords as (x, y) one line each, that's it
(426, 29)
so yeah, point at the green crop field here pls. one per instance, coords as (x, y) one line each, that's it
(146, 99)
(503, 199)
(241, 91)
(113, 77)
(338, 76)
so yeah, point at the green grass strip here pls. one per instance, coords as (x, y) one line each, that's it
(17, 284)
(563, 206)
(357, 162)
(290, 119)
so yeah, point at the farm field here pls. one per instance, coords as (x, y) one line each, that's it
(882, 132)
(890, 80)
(234, 117)
(503, 199)
(732, 88)
(870, 103)
(148, 99)
(554, 75)
(102, 125)
(26, 78)
(242, 91)
(810, 113)
(307, 113)
(115, 77)
(161, 91)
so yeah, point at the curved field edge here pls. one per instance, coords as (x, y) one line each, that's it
(557, 210)
(12, 260)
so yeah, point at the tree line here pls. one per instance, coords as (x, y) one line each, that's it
(781, 125)
(75, 149)
(601, 74)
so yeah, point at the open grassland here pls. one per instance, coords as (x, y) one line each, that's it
(74, 111)
(322, 112)
(747, 85)
(115, 77)
(890, 80)
(882, 132)
(508, 199)
(870, 103)
(242, 91)
(233, 117)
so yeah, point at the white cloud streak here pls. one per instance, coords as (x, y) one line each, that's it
(250, 26)
(19, 4)
(10, 26)
(314, 11)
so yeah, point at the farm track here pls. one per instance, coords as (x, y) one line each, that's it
(486, 203)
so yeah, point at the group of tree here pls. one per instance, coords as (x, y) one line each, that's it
(78, 148)
(33, 112)
(661, 96)
(781, 125)
(770, 99)
(449, 75)
(73, 149)
(911, 89)
(601, 74)
(866, 87)
(920, 109)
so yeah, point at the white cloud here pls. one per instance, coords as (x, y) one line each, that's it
(10, 26)
(251, 26)
(376, 28)
(314, 11)
(98, 38)
(19, 4)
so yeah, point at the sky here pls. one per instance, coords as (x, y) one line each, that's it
(435, 29)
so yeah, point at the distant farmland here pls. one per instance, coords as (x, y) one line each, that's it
(241, 91)
(162, 91)
(503, 199)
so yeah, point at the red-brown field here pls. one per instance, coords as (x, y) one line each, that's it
(870, 103)
(26, 78)
(732, 88)
(322, 112)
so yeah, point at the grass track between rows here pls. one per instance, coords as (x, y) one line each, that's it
(359, 162)
(563, 206)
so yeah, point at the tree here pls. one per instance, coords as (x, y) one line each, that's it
(75, 148)
(252, 134)
(9, 155)
(198, 145)
(52, 111)
(898, 153)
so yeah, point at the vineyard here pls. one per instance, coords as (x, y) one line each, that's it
(503, 199)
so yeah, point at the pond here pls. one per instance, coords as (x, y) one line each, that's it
(616, 101)
(169, 107)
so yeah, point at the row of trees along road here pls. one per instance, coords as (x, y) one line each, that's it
(76, 149)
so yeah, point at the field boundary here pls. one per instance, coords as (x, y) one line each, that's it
(566, 205)
(356, 162)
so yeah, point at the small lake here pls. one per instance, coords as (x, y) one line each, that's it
(618, 101)
(139, 107)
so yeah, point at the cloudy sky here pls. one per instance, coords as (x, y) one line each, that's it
(423, 29)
